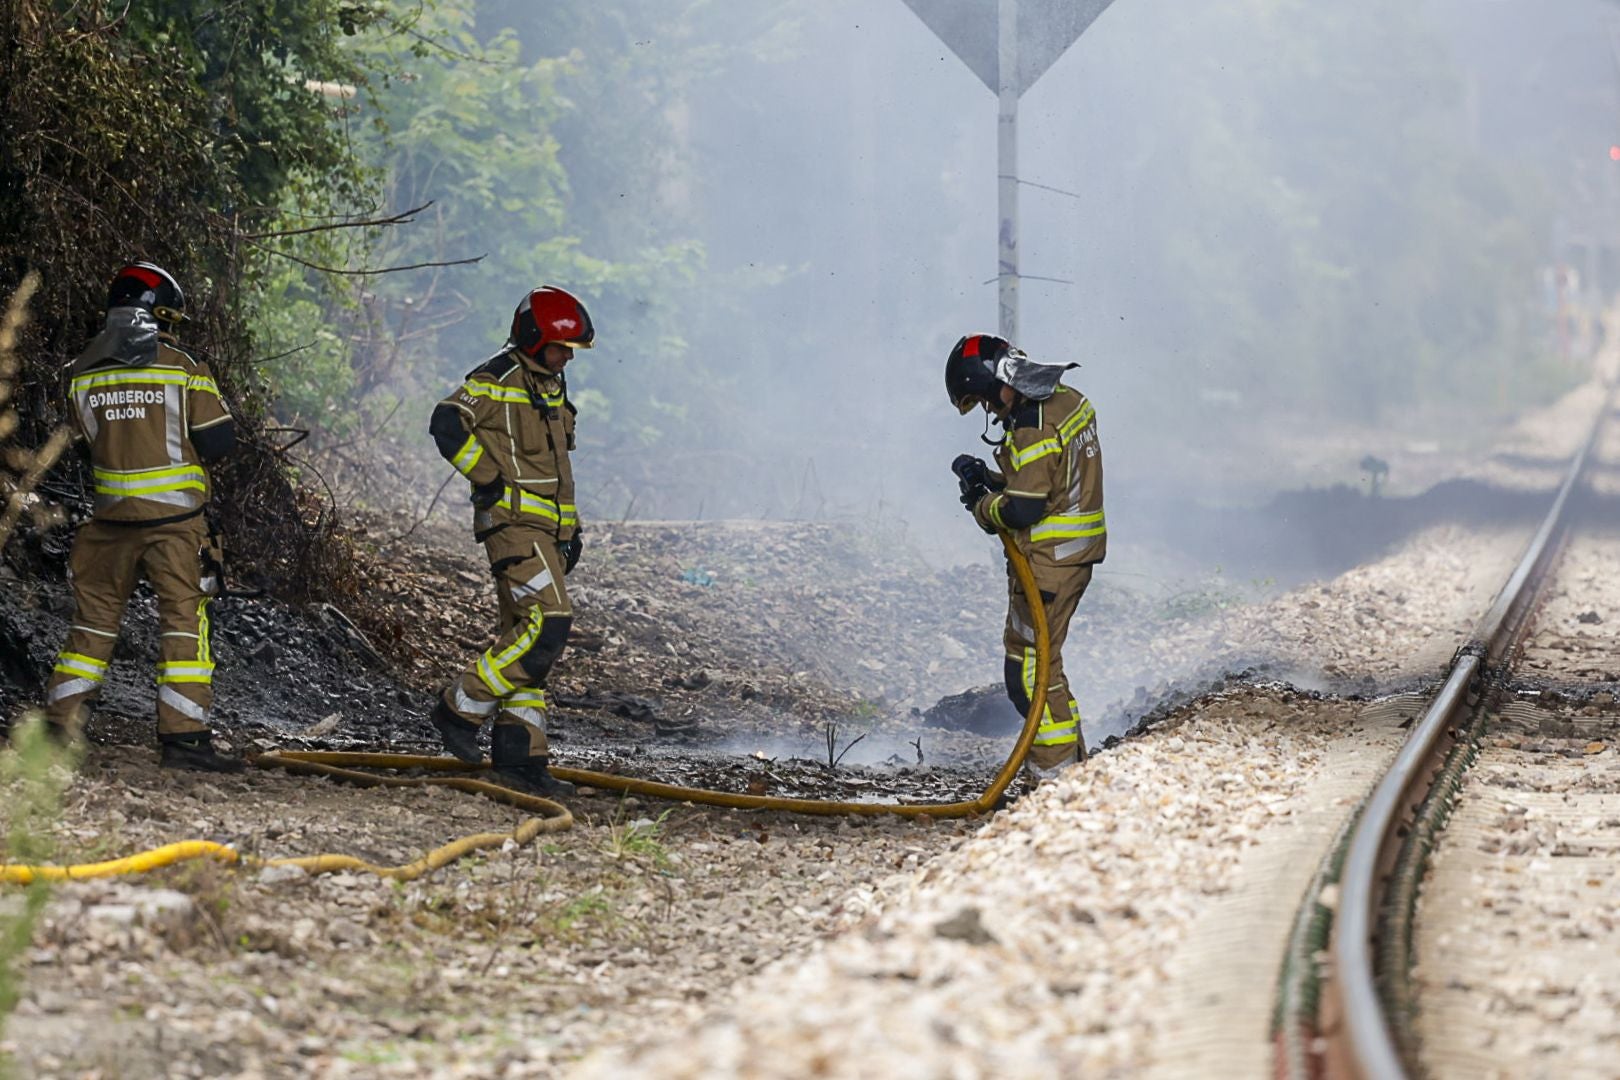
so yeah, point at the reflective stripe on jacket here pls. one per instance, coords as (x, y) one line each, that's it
(516, 426)
(138, 420)
(1052, 452)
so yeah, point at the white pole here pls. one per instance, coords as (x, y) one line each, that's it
(1007, 167)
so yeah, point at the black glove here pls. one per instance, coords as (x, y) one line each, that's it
(972, 479)
(570, 550)
(971, 470)
(487, 495)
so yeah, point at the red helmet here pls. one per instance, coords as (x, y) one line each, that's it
(547, 315)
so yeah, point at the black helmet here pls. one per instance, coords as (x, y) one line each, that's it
(147, 285)
(970, 372)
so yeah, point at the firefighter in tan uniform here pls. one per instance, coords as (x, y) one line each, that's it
(1047, 492)
(149, 416)
(509, 429)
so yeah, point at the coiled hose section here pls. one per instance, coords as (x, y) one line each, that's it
(552, 817)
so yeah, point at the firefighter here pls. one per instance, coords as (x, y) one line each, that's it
(1047, 492)
(509, 430)
(149, 417)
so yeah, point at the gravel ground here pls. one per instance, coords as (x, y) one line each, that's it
(508, 964)
(1519, 921)
(1396, 619)
(1045, 944)
(523, 961)
(1577, 631)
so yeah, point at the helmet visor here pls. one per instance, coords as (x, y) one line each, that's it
(967, 403)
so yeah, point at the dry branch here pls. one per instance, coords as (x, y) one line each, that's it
(405, 217)
(366, 272)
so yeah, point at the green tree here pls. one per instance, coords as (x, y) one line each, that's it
(1329, 238)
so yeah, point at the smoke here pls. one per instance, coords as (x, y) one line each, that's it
(1282, 237)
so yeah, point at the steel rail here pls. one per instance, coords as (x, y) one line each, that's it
(1369, 1040)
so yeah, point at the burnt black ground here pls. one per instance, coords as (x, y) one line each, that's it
(283, 670)
(278, 669)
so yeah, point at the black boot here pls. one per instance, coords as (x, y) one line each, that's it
(515, 768)
(460, 737)
(533, 777)
(195, 751)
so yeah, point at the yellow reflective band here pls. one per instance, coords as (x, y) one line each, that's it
(151, 489)
(78, 664)
(526, 698)
(123, 478)
(165, 377)
(468, 457)
(204, 384)
(1068, 527)
(995, 512)
(492, 677)
(185, 672)
(564, 514)
(136, 482)
(1076, 423)
(521, 645)
(1056, 735)
(495, 393)
(553, 400)
(1029, 454)
(1029, 684)
(205, 650)
(490, 665)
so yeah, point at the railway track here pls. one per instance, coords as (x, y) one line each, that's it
(1354, 999)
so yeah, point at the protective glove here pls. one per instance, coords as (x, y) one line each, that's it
(571, 549)
(971, 494)
(487, 495)
(971, 470)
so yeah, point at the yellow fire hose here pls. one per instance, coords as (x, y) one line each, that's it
(554, 817)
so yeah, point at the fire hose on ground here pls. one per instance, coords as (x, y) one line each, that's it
(550, 816)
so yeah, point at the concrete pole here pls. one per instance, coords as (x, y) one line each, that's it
(1007, 166)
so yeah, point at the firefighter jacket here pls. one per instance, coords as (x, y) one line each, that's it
(150, 416)
(1051, 459)
(512, 425)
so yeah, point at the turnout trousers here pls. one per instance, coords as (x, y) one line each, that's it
(507, 682)
(1058, 739)
(105, 564)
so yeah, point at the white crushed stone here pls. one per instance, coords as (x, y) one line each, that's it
(1400, 616)
(1042, 945)
(1518, 924)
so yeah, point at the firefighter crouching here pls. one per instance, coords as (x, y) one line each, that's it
(1047, 492)
(509, 429)
(149, 416)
